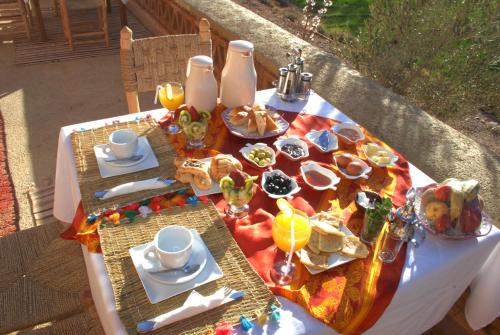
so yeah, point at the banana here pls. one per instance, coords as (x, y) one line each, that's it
(457, 197)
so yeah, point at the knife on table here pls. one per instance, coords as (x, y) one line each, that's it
(134, 186)
(194, 305)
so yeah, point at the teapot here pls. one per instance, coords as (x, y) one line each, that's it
(239, 78)
(201, 86)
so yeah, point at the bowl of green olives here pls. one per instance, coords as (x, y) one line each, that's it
(259, 154)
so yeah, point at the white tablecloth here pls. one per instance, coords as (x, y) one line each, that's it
(434, 276)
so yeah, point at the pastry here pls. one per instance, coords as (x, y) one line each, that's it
(256, 119)
(330, 218)
(270, 123)
(324, 228)
(318, 262)
(252, 125)
(193, 171)
(240, 118)
(222, 165)
(331, 242)
(354, 247)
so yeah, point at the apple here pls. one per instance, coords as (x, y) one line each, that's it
(442, 223)
(470, 218)
(442, 192)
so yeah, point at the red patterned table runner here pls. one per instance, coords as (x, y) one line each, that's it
(350, 298)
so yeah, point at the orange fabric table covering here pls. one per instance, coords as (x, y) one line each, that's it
(351, 297)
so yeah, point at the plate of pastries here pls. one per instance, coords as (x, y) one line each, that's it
(331, 244)
(204, 174)
(255, 122)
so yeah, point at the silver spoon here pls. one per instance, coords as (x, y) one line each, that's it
(132, 159)
(187, 269)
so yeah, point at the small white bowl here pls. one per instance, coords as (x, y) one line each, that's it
(292, 140)
(336, 128)
(245, 151)
(313, 137)
(364, 174)
(393, 158)
(295, 187)
(326, 172)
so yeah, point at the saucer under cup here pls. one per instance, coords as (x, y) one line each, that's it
(172, 247)
(123, 143)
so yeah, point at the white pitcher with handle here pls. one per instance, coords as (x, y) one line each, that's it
(239, 78)
(201, 86)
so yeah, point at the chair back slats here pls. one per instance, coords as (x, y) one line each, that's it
(164, 58)
(148, 62)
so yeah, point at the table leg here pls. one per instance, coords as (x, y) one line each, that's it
(123, 14)
(41, 26)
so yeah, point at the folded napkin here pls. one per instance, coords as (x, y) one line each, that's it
(313, 105)
(194, 304)
(134, 186)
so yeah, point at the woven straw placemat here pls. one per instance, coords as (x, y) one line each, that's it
(88, 175)
(131, 301)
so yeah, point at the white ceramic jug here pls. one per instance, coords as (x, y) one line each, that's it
(239, 79)
(201, 86)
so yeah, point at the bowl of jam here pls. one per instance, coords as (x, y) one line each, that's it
(348, 133)
(278, 185)
(318, 177)
(292, 147)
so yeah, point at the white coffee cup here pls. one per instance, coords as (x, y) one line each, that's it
(123, 143)
(171, 246)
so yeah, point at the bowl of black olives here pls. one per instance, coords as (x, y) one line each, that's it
(278, 185)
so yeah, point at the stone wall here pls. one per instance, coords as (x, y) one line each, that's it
(431, 145)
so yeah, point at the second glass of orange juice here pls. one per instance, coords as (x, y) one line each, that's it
(291, 232)
(171, 96)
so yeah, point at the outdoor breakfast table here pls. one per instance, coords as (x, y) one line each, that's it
(432, 278)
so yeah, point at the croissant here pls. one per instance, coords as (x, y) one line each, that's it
(222, 165)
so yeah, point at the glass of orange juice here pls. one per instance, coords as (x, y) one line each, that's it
(291, 232)
(171, 96)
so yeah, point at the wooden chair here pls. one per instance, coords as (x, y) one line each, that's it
(66, 5)
(12, 12)
(148, 62)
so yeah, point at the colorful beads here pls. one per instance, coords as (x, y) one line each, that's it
(224, 328)
(245, 324)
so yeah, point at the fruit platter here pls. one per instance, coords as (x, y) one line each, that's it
(452, 209)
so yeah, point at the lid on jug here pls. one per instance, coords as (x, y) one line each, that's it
(241, 46)
(202, 61)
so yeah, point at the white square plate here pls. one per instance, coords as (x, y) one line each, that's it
(107, 170)
(335, 259)
(215, 185)
(157, 291)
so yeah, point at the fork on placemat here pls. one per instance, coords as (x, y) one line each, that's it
(195, 304)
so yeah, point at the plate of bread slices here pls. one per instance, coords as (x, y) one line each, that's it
(255, 122)
(331, 244)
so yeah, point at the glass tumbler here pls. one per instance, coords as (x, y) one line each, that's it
(392, 241)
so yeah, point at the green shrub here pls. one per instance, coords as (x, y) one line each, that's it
(444, 54)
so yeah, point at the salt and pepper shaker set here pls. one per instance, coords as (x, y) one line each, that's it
(293, 82)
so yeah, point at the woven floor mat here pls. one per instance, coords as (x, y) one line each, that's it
(88, 175)
(42, 282)
(57, 49)
(42, 204)
(131, 301)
